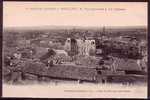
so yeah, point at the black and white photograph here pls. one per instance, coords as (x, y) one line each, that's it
(75, 49)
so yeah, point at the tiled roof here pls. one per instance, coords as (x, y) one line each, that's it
(61, 71)
(72, 72)
(128, 64)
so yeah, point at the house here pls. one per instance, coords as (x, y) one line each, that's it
(61, 52)
(61, 71)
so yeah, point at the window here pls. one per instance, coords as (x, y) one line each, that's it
(92, 42)
(68, 40)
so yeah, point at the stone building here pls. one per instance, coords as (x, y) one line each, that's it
(67, 46)
(84, 46)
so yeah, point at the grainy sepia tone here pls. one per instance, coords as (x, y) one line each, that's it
(75, 49)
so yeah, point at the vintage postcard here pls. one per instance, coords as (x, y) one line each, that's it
(75, 49)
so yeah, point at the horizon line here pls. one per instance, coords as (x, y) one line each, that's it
(72, 26)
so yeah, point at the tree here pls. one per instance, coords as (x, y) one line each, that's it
(31, 35)
(49, 54)
(11, 39)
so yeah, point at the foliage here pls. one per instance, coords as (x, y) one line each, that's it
(11, 40)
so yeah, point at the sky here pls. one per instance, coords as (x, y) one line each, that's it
(22, 14)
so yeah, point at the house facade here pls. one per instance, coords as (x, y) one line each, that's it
(84, 46)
